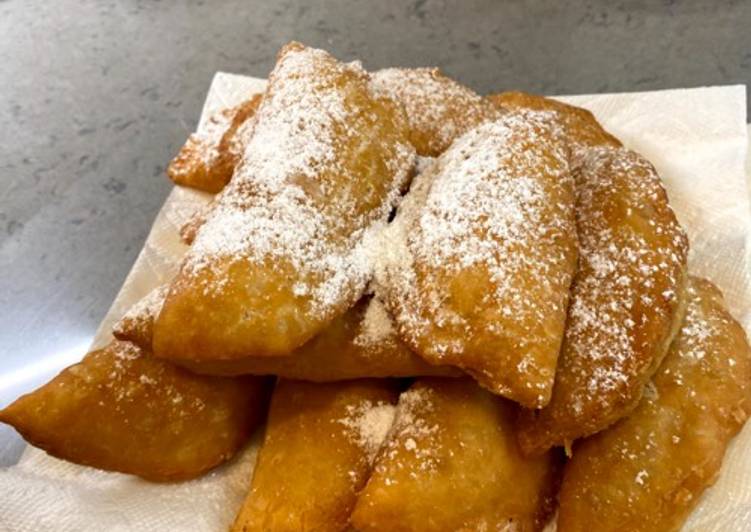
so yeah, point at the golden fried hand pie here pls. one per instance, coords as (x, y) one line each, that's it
(582, 129)
(283, 251)
(360, 343)
(438, 108)
(482, 253)
(626, 300)
(318, 452)
(207, 160)
(647, 472)
(121, 410)
(451, 462)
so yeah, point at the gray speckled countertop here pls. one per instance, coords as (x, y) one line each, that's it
(96, 96)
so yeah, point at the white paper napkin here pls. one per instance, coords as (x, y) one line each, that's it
(697, 139)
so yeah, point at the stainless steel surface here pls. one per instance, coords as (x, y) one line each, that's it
(95, 97)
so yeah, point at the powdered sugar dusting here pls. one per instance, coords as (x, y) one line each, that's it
(377, 327)
(697, 329)
(709, 363)
(470, 211)
(369, 423)
(295, 199)
(438, 108)
(235, 143)
(124, 351)
(701, 334)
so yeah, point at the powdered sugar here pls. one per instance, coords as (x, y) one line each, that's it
(696, 330)
(438, 108)
(208, 158)
(123, 352)
(701, 332)
(376, 327)
(369, 424)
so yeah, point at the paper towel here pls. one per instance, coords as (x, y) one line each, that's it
(697, 139)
